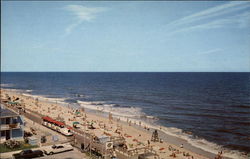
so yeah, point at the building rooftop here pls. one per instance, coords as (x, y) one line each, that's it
(4, 112)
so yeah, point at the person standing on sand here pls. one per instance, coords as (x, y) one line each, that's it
(181, 146)
(125, 147)
(219, 155)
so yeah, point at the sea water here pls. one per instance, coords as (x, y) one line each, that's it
(209, 110)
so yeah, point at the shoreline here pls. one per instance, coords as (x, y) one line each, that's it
(174, 140)
(165, 137)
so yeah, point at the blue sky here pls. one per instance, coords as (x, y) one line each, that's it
(125, 36)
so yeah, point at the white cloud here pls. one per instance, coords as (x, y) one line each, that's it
(210, 51)
(238, 21)
(211, 12)
(196, 21)
(69, 29)
(84, 13)
(81, 14)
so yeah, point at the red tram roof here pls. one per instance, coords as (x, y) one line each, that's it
(59, 123)
(53, 121)
(48, 119)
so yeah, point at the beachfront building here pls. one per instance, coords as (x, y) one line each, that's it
(11, 125)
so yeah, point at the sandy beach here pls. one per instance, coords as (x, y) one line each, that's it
(136, 134)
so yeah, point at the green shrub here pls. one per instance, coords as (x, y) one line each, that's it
(11, 144)
(4, 148)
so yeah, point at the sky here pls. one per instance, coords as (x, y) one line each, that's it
(139, 36)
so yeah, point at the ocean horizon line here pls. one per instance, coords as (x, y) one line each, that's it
(124, 72)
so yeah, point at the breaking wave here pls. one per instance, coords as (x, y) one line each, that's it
(6, 85)
(127, 111)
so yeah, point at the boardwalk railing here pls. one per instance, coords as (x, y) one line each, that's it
(136, 151)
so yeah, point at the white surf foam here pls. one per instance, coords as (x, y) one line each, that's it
(46, 99)
(28, 90)
(16, 90)
(130, 112)
(6, 85)
(214, 148)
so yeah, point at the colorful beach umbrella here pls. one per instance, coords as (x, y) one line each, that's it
(76, 122)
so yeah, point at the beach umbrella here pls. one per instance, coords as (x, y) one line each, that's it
(13, 102)
(76, 122)
(77, 113)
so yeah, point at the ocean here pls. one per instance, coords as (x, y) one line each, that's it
(213, 107)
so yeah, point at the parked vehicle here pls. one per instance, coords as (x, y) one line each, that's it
(28, 154)
(57, 149)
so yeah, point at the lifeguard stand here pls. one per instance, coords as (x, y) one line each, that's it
(155, 137)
